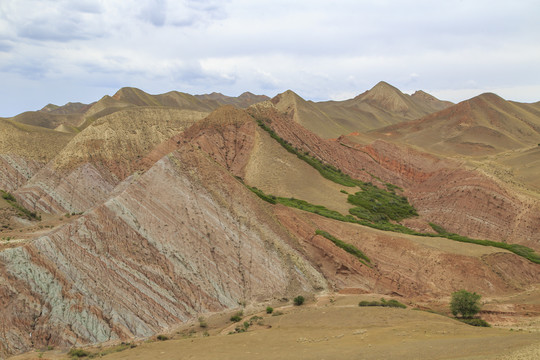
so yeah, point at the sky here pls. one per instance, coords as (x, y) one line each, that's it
(59, 51)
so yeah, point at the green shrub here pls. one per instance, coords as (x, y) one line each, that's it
(7, 196)
(202, 322)
(162, 337)
(78, 353)
(384, 303)
(351, 249)
(378, 205)
(299, 300)
(237, 317)
(476, 322)
(269, 310)
(465, 304)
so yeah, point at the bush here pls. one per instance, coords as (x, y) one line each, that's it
(465, 304)
(78, 353)
(299, 300)
(237, 317)
(162, 337)
(384, 303)
(269, 310)
(202, 322)
(476, 322)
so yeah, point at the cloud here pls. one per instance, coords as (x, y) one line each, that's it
(154, 12)
(319, 49)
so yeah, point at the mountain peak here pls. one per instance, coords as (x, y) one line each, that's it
(386, 96)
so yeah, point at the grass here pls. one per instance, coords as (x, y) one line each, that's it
(351, 249)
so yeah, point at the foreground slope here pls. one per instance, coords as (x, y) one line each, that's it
(185, 238)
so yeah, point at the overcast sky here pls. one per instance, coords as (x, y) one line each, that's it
(57, 51)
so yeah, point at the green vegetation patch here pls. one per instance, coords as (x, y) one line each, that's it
(23, 212)
(378, 205)
(384, 303)
(351, 249)
(475, 322)
(517, 249)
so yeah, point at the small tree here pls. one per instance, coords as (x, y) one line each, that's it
(465, 303)
(299, 300)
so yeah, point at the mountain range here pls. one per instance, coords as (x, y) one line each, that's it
(136, 213)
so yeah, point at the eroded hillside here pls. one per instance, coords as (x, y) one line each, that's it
(186, 213)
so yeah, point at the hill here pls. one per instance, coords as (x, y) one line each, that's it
(381, 106)
(96, 160)
(483, 125)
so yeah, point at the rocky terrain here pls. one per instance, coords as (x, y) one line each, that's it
(151, 213)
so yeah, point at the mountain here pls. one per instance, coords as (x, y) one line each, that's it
(245, 100)
(381, 106)
(485, 124)
(155, 213)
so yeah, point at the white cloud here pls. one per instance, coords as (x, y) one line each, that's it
(320, 49)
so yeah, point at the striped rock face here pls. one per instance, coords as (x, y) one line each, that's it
(179, 241)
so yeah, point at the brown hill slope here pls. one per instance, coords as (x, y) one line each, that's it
(483, 125)
(381, 106)
(86, 170)
(24, 149)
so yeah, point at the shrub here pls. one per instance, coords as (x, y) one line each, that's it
(237, 317)
(162, 337)
(78, 353)
(299, 300)
(351, 249)
(476, 322)
(202, 322)
(384, 303)
(269, 310)
(465, 303)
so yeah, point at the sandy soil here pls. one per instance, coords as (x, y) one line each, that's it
(334, 327)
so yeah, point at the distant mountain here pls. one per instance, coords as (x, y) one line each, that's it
(485, 124)
(243, 101)
(381, 106)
